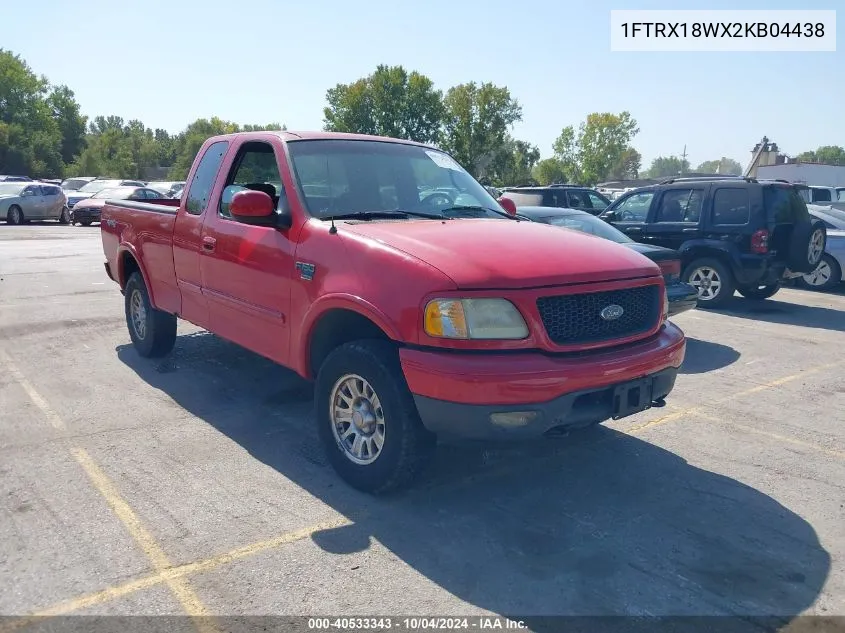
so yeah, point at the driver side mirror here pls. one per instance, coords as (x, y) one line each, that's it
(608, 216)
(256, 208)
(508, 205)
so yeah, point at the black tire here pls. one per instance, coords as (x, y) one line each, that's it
(85, 222)
(64, 218)
(158, 334)
(15, 215)
(407, 445)
(802, 258)
(759, 292)
(834, 280)
(726, 278)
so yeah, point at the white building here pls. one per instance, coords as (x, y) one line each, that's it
(804, 173)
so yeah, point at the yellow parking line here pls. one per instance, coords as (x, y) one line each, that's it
(172, 574)
(680, 413)
(187, 597)
(775, 436)
(55, 421)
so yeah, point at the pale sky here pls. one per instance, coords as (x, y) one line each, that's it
(259, 61)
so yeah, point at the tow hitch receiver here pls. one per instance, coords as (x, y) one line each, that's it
(632, 397)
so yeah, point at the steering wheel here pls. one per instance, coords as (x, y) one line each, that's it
(442, 200)
(626, 215)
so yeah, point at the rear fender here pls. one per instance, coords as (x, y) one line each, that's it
(122, 277)
(718, 249)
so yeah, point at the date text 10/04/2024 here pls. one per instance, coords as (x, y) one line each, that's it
(721, 29)
(481, 623)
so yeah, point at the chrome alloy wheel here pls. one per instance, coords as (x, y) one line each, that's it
(357, 419)
(138, 313)
(707, 281)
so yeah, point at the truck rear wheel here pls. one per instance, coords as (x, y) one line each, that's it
(153, 332)
(367, 420)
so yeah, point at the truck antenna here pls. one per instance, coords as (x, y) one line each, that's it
(333, 228)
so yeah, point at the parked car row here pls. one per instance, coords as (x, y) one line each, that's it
(731, 234)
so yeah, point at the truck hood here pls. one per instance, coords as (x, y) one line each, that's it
(505, 254)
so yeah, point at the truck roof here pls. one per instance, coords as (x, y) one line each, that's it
(295, 135)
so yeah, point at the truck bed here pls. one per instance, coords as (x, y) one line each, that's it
(144, 229)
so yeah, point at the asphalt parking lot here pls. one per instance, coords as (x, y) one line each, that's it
(195, 485)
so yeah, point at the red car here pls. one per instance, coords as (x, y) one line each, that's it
(87, 211)
(381, 270)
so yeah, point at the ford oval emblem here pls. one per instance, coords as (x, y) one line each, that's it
(612, 312)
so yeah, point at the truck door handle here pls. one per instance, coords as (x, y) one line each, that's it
(208, 243)
(634, 229)
(688, 230)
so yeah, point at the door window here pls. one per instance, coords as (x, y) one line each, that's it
(731, 206)
(254, 168)
(203, 181)
(635, 207)
(578, 200)
(680, 205)
(597, 202)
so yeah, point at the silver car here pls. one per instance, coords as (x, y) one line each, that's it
(831, 269)
(23, 201)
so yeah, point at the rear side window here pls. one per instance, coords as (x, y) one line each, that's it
(680, 205)
(821, 195)
(203, 181)
(731, 206)
(784, 205)
(526, 199)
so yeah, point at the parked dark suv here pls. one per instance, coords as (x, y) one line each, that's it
(733, 233)
(560, 196)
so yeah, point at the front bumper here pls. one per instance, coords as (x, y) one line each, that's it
(682, 297)
(86, 215)
(457, 393)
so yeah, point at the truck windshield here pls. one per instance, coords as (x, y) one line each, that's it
(350, 176)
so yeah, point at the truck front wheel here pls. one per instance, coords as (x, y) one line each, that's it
(367, 420)
(153, 332)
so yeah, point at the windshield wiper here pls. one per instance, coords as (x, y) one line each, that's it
(394, 213)
(469, 207)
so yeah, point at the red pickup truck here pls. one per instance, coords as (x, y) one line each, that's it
(382, 271)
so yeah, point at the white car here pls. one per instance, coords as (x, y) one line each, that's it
(24, 201)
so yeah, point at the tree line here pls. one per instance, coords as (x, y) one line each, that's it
(43, 133)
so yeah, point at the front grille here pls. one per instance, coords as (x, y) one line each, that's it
(574, 319)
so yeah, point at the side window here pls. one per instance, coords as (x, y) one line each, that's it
(821, 195)
(527, 199)
(30, 191)
(152, 194)
(596, 201)
(203, 182)
(578, 200)
(255, 168)
(680, 205)
(731, 206)
(635, 207)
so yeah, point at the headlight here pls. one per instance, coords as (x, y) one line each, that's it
(474, 319)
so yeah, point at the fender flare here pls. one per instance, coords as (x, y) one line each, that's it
(338, 301)
(122, 249)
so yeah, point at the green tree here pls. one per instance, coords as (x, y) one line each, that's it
(666, 166)
(65, 111)
(722, 166)
(389, 102)
(827, 154)
(513, 164)
(30, 138)
(600, 148)
(628, 165)
(476, 123)
(550, 171)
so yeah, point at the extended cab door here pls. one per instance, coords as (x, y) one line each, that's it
(676, 216)
(247, 269)
(187, 232)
